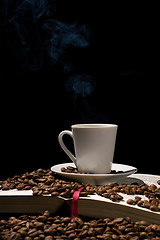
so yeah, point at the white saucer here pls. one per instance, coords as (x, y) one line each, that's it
(95, 179)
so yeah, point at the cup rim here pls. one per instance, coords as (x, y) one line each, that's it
(94, 125)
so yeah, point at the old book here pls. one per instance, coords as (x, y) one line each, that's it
(22, 201)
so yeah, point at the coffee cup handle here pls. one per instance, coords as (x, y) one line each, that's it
(63, 146)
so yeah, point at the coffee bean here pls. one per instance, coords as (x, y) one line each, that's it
(107, 236)
(72, 236)
(122, 228)
(66, 219)
(68, 171)
(135, 238)
(115, 237)
(54, 194)
(157, 194)
(70, 168)
(27, 238)
(78, 221)
(22, 232)
(33, 234)
(118, 220)
(83, 234)
(106, 195)
(39, 225)
(83, 194)
(137, 199)
(116, 231)
(63, 169)
(48, 238)
(140, 203)
(130, 201)
(49, 231)
(139, 191)
(20, 186)
(46, 192)
(115, 197)
(154, 208)
(42, 218)
(63, 194)
(143, 235)
(146, 204)
(100, 190)
(144, 187)
(46, 213)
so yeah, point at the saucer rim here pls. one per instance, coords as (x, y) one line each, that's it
(127, 172)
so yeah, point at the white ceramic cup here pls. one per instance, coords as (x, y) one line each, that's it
(94, 146)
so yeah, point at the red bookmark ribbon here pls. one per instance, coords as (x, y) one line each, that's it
(74, 210)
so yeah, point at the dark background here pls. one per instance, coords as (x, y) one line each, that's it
(107, 49)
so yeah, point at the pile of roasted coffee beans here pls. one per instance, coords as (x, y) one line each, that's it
(70, 169)
(152, 192)
(43, 182)
(48, 227)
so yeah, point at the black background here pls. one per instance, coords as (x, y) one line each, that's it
(35, 105)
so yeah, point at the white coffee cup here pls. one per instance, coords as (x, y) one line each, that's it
(94, 146)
